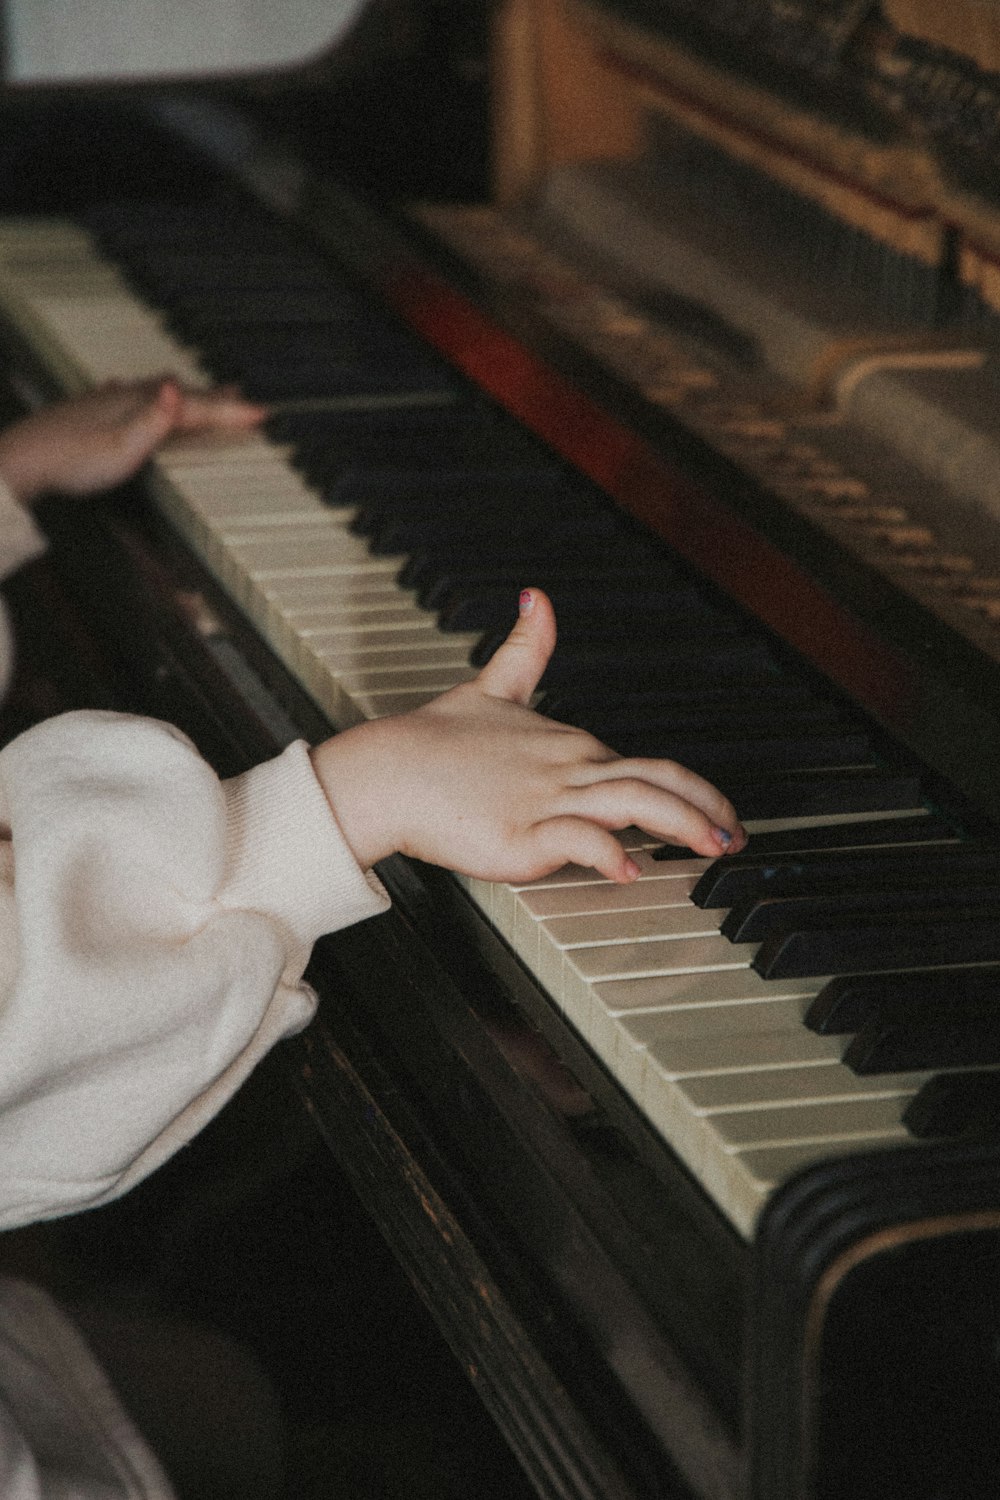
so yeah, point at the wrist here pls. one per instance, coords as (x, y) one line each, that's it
(346, 769)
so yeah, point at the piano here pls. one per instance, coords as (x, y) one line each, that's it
(699, 1178)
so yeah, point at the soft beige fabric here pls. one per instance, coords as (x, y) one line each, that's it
(154, 926)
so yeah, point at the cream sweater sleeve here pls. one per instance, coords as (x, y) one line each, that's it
(154, 925)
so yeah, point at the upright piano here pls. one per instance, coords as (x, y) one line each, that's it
(700, 1179)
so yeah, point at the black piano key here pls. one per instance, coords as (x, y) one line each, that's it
(495, 608)
(490, 529)
(438, 483)
(357, 339)
(686, 738)
(713, 755)
(584, 647)
(583, 595)
(440, 567)
(874, 944)
(208, 280)
(328, 380)
(221, 275)
(752, 875)
(917, 828)
(853, 834)
(757, 717)
(768, 693)
(592, 636)
(307, 305)
(967, 1037)
(955, 1104)
(487, 500)
(483, 597)
(752, 921)
(700, 653)
(351, 466)
(327, 443)
(327, 375)
(815, 794)
(846, 1003)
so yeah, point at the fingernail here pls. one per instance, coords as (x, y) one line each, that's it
(725, 839)
(632, 869)
(526, 602)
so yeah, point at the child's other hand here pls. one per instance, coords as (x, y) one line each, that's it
(478, 782)
(95, 441)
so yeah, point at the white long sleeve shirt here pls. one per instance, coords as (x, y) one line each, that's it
(154, 926)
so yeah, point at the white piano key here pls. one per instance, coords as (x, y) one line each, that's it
(259, 503)
(389, 690)
(377, 651)
(675, 919)
(384, 705)
(368, 606)
(728, 1151)
(361, 672)
(621, 1027)
(826, 1122)
(743, 1181)
(606, 896)
(110, 342)
(624, 1047)
(315, 548)
(643, 903)
(632, 997)
(309, 600)
(668, 956)
(717, 1093)
(683, 1054)
(227, 451)
(727, 1023)
(234, 470)
(573, 980)
(387, 647)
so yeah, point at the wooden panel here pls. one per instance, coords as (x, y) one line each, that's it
(554, 100)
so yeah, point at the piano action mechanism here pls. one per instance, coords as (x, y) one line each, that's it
(729, 319)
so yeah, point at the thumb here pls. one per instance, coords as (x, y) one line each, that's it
(514, 669)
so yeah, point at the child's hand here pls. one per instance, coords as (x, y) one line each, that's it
(93, 442)
(478, 782)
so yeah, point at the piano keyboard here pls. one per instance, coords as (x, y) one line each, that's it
(322, 531)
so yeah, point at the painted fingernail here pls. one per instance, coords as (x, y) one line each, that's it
(526, 602)
(725, 839)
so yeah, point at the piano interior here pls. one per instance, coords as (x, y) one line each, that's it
(689, 311)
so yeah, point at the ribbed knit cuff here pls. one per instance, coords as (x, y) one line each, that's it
(20, 538)
(286, 854)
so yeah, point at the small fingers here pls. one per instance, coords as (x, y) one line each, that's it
(580, 841)
(627, 801)
(224, 407)
(676, 781)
